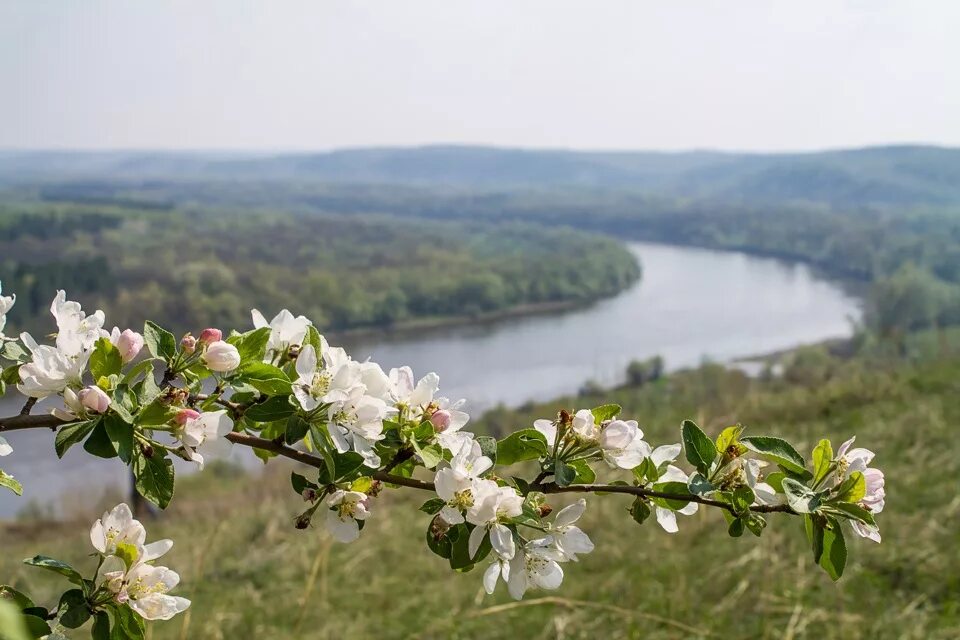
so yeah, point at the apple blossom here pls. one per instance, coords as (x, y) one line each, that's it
(210, 335)
(203, 436)
(345, 509)
(567, 538)
(849, 461)
(5, 448)
(188, 343)
(622, 444)
(536, 564)
(6, 303)
(50, 370)
(285, 331)
(456, 484)
(94, 399)
(357, 423)
(491, 505)
(144, 588)
(128, 343)
(332, 379)
(76, 332)
(221, 357)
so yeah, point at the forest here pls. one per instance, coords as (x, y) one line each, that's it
(197, 266)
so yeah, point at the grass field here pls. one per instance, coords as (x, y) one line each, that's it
(250, 574)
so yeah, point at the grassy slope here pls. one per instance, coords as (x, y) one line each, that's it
(251, 574)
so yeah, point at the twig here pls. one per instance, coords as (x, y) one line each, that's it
(28, 406)
(384, 475)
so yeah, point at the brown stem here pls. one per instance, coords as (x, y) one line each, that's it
(28, 406)
(384, 475)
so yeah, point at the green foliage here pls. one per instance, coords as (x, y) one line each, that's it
(698, 448)
(154, 477)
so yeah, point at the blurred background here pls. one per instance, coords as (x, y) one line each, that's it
(732, 212)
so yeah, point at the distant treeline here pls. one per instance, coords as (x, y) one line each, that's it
(195, 267)
(909, 254)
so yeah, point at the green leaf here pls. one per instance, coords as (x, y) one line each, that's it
(439, 539)
(677, 488)
(700, 450)
(775, 480)
(743, 497)
(800, 497)
(272, 409)
(313, 337)
(699, 485)
(585, 474)
(142, 367)
(297, 429)
(431, 455)
(432, 506)
(121, 436)
(755, 523)
(853, 512)
(36, 627)
(564, 474)
(19, 599)
(99, 443)
(156, 412)
(346, 464)
(488, 447)
(128, 625)
(781, 451)
(160, 342)
(853, 489)
(73, 609)
(299, 483)
(105, 360)
(735, 530)
(639, 510)
(56, 566)
(252, 345)
(822, 459)
(605, 412)
(526, 444)
(71, 434)
(814, 528)
(101, 626)
(834, 556)
(730, 438)
(460, 551)
(265, 378)
(154, 477)
(8, 481)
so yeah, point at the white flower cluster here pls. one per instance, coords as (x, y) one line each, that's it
(127, 570)
(58, 369)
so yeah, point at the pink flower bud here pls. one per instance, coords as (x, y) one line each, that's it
(186, 415)
(440, 419)
(309, 494)
(209, 336)
(129, 344)
(221, 356)
(188, 343)
(94, 399)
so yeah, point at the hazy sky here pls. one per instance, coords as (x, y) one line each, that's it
(319, 74)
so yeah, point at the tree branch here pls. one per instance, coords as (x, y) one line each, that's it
(384, 475)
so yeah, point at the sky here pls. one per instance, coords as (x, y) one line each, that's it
(322, 74)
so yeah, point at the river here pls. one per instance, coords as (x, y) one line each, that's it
(690, 305)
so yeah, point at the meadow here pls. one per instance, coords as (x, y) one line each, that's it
(640, 582)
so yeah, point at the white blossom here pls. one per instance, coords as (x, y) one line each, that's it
(204, 436)
(118, 526)
(285, 331)
(6, 303)
(534, 565)
(492, 505)
(622, 444)
(357, 423)
(50, 370)
(144, 588)
(5, 448)
(76, 331)
(345, 509)
(456, 483)
(331, 380)
(667, 518)
(221, 356)
(567, 538)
